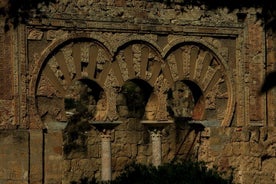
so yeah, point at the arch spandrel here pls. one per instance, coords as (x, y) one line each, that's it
(197, 63)
(138, 59)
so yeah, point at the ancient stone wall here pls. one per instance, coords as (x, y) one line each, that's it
(136, 63)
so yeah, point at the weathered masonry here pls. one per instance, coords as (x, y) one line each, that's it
(92, 86)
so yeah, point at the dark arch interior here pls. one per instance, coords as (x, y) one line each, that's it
(197, 93)
(187, 105)
(146, 87)
(95, 87)
(88, 94)
(136, 93)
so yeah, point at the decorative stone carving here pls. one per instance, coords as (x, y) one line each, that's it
(101, 60)
(69, 60)
(75, 60)
(197, 64)
(161, 87)
(137, 60)
(35, 34)
(54, 34)
(7, 113)
(111, 86)
(151, 107)
(173, 67)
(123, 65)
(101, 108)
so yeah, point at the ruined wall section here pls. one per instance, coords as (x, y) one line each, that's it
(164, 27)
(106, 27)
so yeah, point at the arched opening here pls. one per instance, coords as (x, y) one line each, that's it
(85, 101)
(199, 102)
(185, 101)
(83, 98)
(132, 99)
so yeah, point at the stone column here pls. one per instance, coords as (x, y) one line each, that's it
(155, 128)
(106, 155)
(105, 129)
(156, 147)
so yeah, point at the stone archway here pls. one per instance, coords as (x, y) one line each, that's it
(71, 61)
(133, 98)
(198, 64)
(142, 61)
(77, 65)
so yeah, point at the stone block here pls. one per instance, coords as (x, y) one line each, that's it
(120, 163)
(93, 151)
(53, 157)
(249, 177)
(14, 164)
(256, 150)
(228, 150)
(240, 135)
(122, 150)
(134, 150)
(144, 150)
(141, 159)
(249, 163)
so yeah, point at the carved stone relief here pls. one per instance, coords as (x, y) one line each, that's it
(205, 97)
(161, 88)
(197, 64)
(62, 80)
(140, 61)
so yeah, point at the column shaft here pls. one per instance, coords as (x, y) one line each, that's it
(106, 157)
(156, 148)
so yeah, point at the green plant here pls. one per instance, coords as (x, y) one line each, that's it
(74, 134)
(185, 172)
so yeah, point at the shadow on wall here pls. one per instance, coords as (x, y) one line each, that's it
(269, 82)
